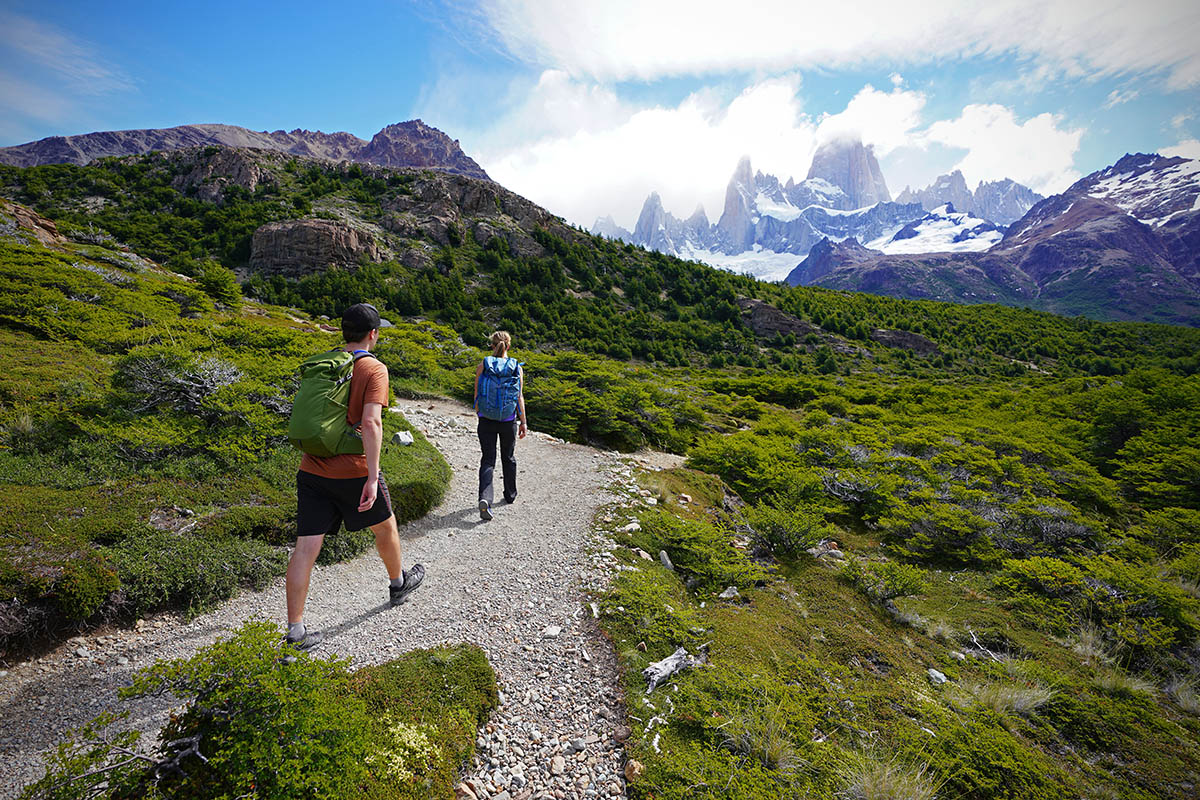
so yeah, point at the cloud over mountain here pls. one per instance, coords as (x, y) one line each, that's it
(622, 39)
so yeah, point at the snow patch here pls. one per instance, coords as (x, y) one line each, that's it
(765, 265)
(940, 231)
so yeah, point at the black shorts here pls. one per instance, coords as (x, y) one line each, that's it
(323, 504)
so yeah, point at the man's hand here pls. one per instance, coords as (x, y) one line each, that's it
(370, 490)
(521, 431)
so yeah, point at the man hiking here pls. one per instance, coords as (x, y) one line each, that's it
(348, 487)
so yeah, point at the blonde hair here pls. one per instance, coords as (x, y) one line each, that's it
(500, 342)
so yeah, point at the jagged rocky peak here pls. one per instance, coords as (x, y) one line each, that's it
(736, 225)
(950, 188)
(851, 166)
(698, 219)
(415, 144)
(1001, 202)
(609, 229)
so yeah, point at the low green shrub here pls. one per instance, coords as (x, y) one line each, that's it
(435, 700)
(886, 580)
(701, 549)
(787, 529)
(262, 721)
(85, 586)
(980, 758)
(191, 572)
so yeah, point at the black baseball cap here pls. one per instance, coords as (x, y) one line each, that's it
(360, 318)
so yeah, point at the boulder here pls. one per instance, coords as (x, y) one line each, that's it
(27, 224)
(296, 247)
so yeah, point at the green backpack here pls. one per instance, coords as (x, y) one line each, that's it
(318, 425)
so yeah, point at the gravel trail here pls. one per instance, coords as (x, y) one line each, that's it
(506, 585)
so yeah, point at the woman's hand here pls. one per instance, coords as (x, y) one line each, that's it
(521, 430)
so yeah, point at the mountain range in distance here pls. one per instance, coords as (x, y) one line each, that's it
(1121, 244)
(767, 226)
(404, 144)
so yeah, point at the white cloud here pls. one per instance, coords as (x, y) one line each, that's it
(582, 152)
(1038, 152)
(1188, 148)
(884, 120)
(74, 63)
(1118, 97)
(34, 102)
(633, 39)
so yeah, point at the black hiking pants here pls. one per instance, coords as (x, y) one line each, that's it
(489, 431)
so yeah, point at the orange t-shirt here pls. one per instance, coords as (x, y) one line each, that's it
(368, 384)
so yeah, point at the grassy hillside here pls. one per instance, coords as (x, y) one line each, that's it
(1017, 494)
(143, 459)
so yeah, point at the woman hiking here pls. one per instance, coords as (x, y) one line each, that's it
(500, 406)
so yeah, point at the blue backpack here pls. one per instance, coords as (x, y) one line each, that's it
(499, 387)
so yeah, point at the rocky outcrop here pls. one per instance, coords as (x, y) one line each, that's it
(406, 144)
(415, 144)
(851, 166)
(25, 225)
(906, 340)
(298, 247)
(444, 208)
(213, 174)
(766, 320)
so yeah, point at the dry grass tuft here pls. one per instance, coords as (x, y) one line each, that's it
(1184, 694)
(870, 778)
(762, 734)
(1114, 681)
(1003, 698)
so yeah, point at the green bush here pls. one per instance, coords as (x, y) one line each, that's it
(191, 572)
(276, 730)
(700, 549)
(86, 584)
(787, 529)
(262, 721)
(887, 580)
(435, 700)
(220, 284)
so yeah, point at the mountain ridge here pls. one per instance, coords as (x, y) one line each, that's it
(403, 144)
(1118, 244)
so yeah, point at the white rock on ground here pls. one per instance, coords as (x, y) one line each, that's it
(497, 584)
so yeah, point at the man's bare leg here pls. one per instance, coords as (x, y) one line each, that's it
(387, 542)
(299, 571)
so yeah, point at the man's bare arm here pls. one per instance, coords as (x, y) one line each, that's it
(372, 436)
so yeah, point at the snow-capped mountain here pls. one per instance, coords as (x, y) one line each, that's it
(1000, 202)
(941, 230)
(767, 226)
(1122, 244)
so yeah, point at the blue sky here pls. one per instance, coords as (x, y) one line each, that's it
(585, 106)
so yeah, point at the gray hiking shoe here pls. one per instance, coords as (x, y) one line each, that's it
(485, 510)
(412, 579)
(308, 641)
